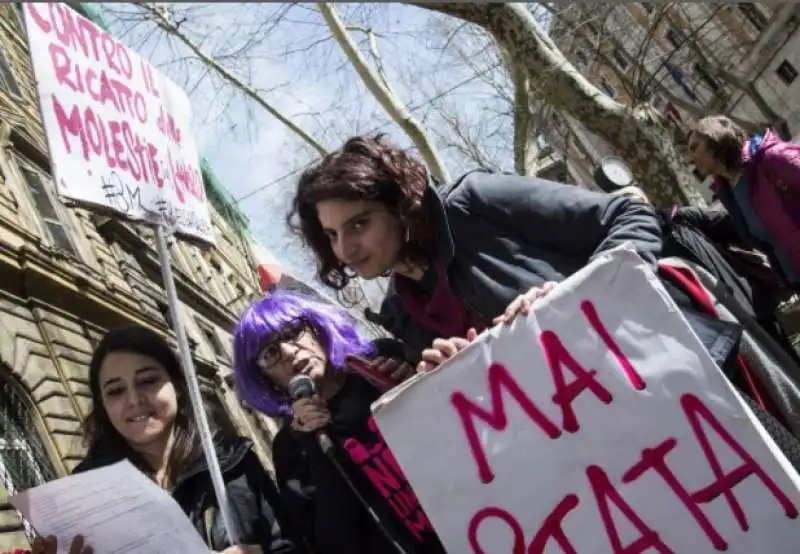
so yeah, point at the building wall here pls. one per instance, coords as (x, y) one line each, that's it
(607, 42)
(69, 275)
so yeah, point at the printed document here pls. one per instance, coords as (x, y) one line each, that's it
(116, 508)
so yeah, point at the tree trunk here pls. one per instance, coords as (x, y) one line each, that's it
(636, 134)
(524, 151)
(384, 94)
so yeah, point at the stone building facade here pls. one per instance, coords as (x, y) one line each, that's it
(67, 275)
(686, 60)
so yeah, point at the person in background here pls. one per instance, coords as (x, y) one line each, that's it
(341, 500)
(141, 412)
(467, 255)
(757, 179)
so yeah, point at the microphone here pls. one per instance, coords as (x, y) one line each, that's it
(302, 386)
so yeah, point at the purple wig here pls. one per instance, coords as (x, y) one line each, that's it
(333, 327)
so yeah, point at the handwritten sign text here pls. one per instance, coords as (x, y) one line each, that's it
(118, 130)
(592, 427)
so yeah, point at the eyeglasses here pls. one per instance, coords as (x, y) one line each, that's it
(272, 353)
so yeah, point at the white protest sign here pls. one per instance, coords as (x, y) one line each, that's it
(118, 130)
(598, 424)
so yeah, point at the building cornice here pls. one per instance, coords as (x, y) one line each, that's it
(188, 291)
(29, 272)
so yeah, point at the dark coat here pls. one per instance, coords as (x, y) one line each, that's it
(771, 167)
(318, 492)
(254, 499)
(500, 234)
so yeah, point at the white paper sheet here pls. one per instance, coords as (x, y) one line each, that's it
(116, 508)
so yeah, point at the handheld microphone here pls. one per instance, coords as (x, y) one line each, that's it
(302, 386)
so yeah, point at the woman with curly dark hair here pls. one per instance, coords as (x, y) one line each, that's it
(464, 255)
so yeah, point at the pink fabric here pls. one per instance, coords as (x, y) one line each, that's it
(775, 191)
(441, 311)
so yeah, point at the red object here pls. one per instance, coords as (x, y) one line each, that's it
(363, 367)
(269, 275)
(688, 282)
(268, 269)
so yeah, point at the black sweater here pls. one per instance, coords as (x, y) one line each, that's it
(322, 504)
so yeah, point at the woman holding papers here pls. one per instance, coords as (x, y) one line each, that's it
(466, 254)
(332, 466)
(141, 412)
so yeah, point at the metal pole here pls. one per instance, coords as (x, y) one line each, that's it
(194, 387)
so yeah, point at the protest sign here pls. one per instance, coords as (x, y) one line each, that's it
(596, 425)
(118, 130)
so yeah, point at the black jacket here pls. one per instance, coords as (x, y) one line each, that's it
(684, 238)
(254, 499)
(320, 500)
(500, 234)
(738, 223)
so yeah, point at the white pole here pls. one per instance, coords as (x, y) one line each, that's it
(194, 388)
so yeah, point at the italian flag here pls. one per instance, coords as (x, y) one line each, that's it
(272, 274)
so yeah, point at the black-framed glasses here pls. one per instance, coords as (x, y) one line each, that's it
(271, 353)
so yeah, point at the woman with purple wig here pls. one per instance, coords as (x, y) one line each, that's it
(339, 497)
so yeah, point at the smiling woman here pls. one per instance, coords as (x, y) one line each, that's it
(141, 413)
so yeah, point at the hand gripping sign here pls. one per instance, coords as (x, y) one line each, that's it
(597, 425)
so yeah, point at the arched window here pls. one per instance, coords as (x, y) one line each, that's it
(24, 462)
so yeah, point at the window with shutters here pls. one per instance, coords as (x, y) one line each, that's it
(675, 37)
(7, 80)
(706, 78)
(582, 59)
(620, 59)
(20, 18)
(754, 15)
(608, 87)
(787, 72)
(210, 336)
(46, 206)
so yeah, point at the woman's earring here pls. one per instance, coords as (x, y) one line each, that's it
(408, 235)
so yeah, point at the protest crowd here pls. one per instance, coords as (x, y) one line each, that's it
(563, 369)
(462, 257)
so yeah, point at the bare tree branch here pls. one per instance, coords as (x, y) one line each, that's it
(384, 93)
(634, 133)
(158, 15)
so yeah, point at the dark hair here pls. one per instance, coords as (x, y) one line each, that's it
(724, 139)
(368, 169)
(103, 440)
